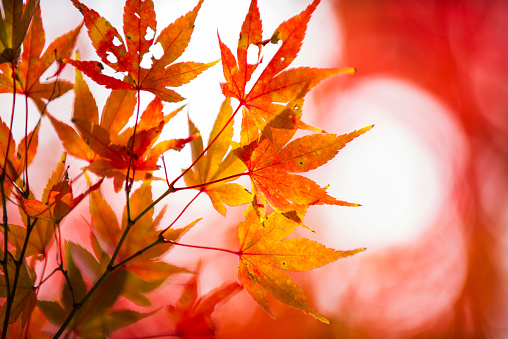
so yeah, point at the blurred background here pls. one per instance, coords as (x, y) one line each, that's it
(432, 175)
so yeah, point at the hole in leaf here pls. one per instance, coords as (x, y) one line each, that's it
(117, 42)
(137, 15)
(146, 62)
(150, 34)
(157, 50)
(282, 59)
(252, 54)
(111, 58)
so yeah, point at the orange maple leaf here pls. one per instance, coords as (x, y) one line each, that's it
(191, 315)
(18, 157)
(26, 296)
(42, 235)
(263, 255)
(14, 22)
(58, 202)
(270, 163)
(104, 146)
(33, 65)
(218, 163)
(108, 231)
(139, 16)
(274, 85)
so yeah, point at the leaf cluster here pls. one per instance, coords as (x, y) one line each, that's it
(124, 259)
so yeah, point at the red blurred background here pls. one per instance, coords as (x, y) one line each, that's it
(433, 77)
(432, 175)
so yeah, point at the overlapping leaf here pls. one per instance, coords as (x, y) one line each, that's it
(217, 164)
(191, 316)
(144, 232)
(17, 158)
(58, 203)
(275, 84)
(270, 165)
(125, 56)
(108, 151)
(33, 65)
(263, 254)
(97, 317)
(25, 298)
(42, 232)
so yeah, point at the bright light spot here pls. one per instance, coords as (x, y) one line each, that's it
(401, 171)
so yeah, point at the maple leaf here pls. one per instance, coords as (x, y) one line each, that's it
(192, 316)
(32, 329)
(17, 157)
(274, 85)
(98, 316)
(116, 153)
(108, 231)
(33, 65)
(263, 254)
(270, 163)
(217, 164)
(25, 298)
(101, 144)
(41, 236)
(14, 23)
(116, 113)
(139, 16)
(58, 203)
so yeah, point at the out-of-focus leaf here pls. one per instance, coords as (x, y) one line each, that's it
(75, 289)
(25, 297)
(191, 316)
(33, 329)
(14, 24)
(53, 311)
(60, 202)
(33, 64)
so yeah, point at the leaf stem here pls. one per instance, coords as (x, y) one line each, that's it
(17, 264)
(171, 187)
(128, 185)
(181, 213)
(209, 145)
(203, 247)
(211, 182)
(77, 306)
(5, 265)
(170, 190)
(27, 187)
(120, 243)
(110, 268)
(138, 253)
